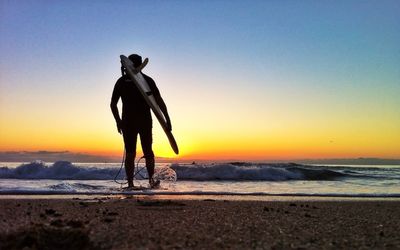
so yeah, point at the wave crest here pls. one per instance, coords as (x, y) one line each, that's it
(254, 172)
(64, 170)
(60, 170)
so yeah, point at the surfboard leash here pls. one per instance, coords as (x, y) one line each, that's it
(137, 169)
(119, 171)
(137, 172)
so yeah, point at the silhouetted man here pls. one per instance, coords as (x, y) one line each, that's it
(136, 119)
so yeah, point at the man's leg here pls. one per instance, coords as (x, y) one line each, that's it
(129, 167)
(130, 139)
(150, 166)
(146, 139)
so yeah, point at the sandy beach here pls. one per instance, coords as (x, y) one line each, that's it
(152, 223)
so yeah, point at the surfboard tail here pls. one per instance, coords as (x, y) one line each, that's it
(173, 143)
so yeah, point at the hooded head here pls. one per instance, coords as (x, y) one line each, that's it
(136, 59)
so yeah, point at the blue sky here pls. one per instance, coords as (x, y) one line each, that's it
(262, 61)
(319, 38)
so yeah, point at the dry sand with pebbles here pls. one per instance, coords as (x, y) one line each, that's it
(151, 223)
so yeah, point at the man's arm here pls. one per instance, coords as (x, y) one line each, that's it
(161, 103)
(114, 108)
(163, 108)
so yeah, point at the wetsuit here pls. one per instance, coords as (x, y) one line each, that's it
(136, 115)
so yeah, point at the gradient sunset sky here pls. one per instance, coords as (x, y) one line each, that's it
(246, 80)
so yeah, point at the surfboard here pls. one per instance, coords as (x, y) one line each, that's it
(138, 79)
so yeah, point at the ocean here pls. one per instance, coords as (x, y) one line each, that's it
(235, 178)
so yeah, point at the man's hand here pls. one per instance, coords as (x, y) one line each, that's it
(119, 126)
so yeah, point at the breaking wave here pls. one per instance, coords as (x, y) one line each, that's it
(64, 170)
(60, 170)
(254, 172)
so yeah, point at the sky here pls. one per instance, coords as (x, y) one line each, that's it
(242, 80)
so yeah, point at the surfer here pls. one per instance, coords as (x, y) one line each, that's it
(136, 119)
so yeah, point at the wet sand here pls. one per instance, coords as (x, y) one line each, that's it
(151, 223)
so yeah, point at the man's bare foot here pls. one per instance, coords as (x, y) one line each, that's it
(154, 183)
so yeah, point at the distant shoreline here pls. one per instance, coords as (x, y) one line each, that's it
(93, 159)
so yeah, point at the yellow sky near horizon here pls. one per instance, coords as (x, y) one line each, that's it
(209, 135)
